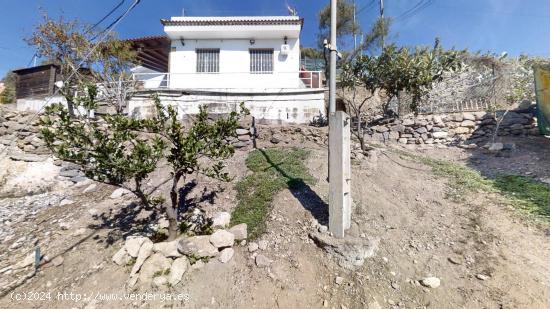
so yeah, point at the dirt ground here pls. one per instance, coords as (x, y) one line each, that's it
(485, 254)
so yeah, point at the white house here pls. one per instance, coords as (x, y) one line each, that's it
(223, 61)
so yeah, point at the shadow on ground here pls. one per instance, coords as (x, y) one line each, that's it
(135, 219)
(302, 191)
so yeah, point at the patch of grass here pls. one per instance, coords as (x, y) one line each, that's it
(132, 261)
(525, 193)
(159, 236)
(273, 170)
(161, 273)
(521, 192)
(194, 259)
(461, 178)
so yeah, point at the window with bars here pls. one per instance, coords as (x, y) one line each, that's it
(208, 60)
(261, 61)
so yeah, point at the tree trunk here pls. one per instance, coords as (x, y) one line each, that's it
(172, 209)
(360, 132)
(70, 107)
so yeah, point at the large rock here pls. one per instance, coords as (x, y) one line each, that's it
(462, 130)
(169, 249)
(133, 243)
(240, 231)
(197, 246)
(221, 219)
(226, 255)
(222, 238)
(380, 129)
(178, 268)
(118, 193)
(90, 188)
(27, 157)
(496, 147)
(242, 132)
(421, 130)
(438, 120)
(468, 116)
(440, 134)
(65, 172)
(144, 252)
(468, 124)
(408, 122)
(350, 252)
(155, 265)
(398, 128)
(122, 257)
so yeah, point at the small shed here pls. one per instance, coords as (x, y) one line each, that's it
(36, 82)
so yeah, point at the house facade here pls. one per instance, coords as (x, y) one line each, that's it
(218, 61)
(223, 61)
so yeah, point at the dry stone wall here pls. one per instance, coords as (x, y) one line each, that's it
(466, 128)
(21, 129)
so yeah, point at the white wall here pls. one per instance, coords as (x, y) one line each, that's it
(38, 105)
(235, 63)
(150, 78)
(286, 107)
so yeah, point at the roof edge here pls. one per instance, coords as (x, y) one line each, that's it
(232, 22)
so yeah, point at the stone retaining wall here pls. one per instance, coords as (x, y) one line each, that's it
(467, 128)
(21, 129)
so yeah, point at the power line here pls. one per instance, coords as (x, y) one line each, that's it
(421, 5)
(108, 28)
(411, 9)
(367, 6)
(106, 16)
(75, 70)
(35, 55)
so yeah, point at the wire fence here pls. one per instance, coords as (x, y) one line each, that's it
(468, 105)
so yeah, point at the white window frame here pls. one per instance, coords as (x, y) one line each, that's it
(261, 60)
(208, 60)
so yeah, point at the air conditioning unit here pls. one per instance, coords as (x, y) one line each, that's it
(285, 49)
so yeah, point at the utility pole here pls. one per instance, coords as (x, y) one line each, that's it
(339, 148)
(381, 17)
(333, 51)
(354, 34)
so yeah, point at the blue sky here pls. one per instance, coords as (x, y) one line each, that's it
(515, 26)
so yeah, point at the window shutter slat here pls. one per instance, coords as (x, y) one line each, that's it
(261, 61)
(208, 60)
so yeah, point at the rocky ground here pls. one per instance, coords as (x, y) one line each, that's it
(409, 246)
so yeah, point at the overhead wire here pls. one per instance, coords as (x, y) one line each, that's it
(421, 5)
(35, 55)
(106, 16)
(367, 6)
(104, 35)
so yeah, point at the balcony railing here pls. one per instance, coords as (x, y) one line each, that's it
(231, 80)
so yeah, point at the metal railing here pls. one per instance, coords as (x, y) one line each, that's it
(229, 80)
